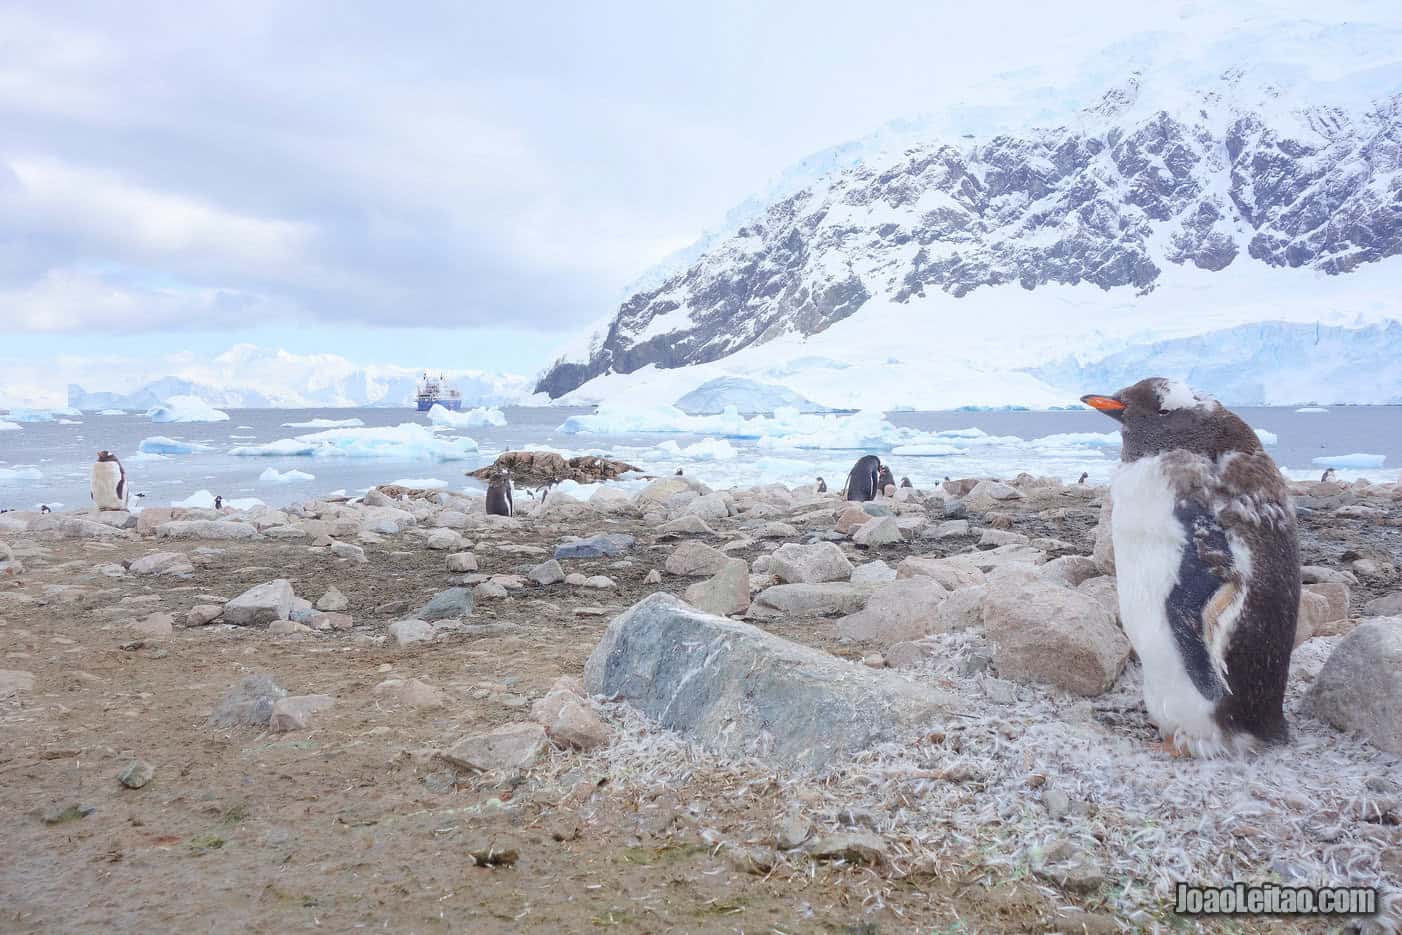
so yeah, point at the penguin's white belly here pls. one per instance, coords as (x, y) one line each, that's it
(106, 475)
(1149, 541)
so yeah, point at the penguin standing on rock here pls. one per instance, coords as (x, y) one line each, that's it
(822, 486)
(1327, 476)
(905, 482)
(1208, 568)
(885, 480)
(499, 494)
(107, 482)
(864, 480)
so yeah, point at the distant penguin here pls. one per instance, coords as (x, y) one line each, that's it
(499, 494)
(1208, 568)
(107, 482)
(822, 486)
(679, 472)
(1328, 476)
(219, 503)
(864, 480)
(44, 508)
(905, 482)
(1084, 475)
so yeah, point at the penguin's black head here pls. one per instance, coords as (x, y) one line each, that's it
(1158, 415)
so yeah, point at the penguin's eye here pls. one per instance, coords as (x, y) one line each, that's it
(1163, 412)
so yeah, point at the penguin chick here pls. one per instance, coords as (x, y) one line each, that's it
(1208, 568)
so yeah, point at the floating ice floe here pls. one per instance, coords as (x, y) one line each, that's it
(11, 475)
(146, 456)
(1311, 409)
(273, 476)
(161, 445)
(1267, 437)
(408, 441)
(322, 424)
(112, 412)
(204, 500)
(420, 483)
(9, 426)
(473, 418)
(707, 449)
(186, 409)
(1356, 460)
(40, 415)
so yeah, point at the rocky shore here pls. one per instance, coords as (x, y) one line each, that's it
(676, 709)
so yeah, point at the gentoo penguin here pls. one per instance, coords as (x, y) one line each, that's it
(108, 482)
(679, 472)
(822, 486)
(1328, 476)
(885, 479)
(44, 508)
(499, 493)
(1084, 475)
(1208, 568)
(219, 502)
(905, 482)
(863, 481)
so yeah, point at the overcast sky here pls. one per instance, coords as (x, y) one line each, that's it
(322, 176)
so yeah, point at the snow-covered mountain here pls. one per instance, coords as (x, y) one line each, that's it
(247, 376)
(1141, 231)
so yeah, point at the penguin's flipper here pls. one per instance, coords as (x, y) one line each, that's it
(1204, 605)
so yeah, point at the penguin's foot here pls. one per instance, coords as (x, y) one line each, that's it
(1170, 746)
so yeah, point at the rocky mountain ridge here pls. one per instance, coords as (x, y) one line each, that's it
(1116, 199)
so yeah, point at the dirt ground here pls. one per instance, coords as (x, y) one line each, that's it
(353, 824)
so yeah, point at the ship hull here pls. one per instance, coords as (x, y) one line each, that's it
(426, 404)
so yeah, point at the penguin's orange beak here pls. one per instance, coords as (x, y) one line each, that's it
(1109, 405)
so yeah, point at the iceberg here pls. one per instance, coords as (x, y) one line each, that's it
(10, 475)
(1355, 460)
(41, 415)
(146, 456)
(717, 395)
(420, 483)
(161, 445)
(273, 476)
(113, 412)
(204, 500)
(707, 449)
(1266, 437)
(185, 409)
(322, 424)
(9, 426)
(1311, 409)
(473, 418)
(408, 441)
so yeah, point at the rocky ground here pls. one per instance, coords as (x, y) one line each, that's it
(403, 714)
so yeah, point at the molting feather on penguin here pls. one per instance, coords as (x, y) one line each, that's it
(107, 482)
(1208, 567)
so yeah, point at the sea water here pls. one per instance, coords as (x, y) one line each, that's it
(48, 462)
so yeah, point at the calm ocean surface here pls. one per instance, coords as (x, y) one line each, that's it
(48, 462)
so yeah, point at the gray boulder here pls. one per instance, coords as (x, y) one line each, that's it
(261, 605)
(809, 564)
(728, 592)
(162, 563)
(547, 573)
(1053, 635)
(878, 531)
(205, 529)
(953, 573)
(509, 747)
(808, 600)
(742, 692)
(1360, 687)
(901, 610)
(961, 610)
(453, 602)
(598, 546)
(695, 559)
(1389, 605)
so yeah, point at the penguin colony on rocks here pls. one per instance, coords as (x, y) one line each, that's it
(1208, 568)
